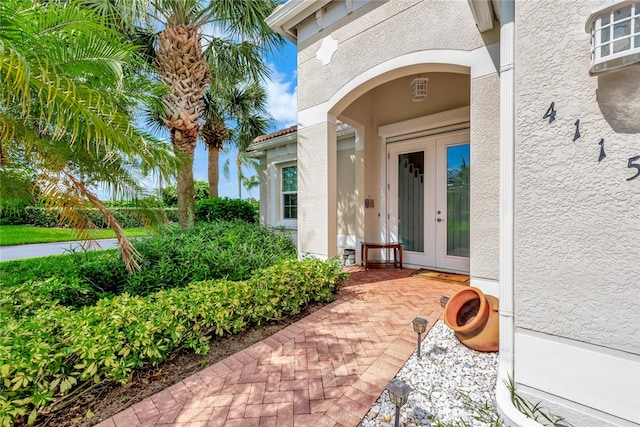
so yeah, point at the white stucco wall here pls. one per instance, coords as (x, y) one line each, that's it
(390, 30)
(577, 221)
(284, 154)
(348, 200)
(386, 32)
(485, 180)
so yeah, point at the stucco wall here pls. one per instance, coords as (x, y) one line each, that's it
(577, 222)
(265, 188)
(348, 200)
(388, 31)
(271, 166)
(392, 29)
(317, 175)
(361, 112)
(485, 178)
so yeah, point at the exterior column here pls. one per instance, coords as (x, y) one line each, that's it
(510, 414)
(317, 189)
(360, 223)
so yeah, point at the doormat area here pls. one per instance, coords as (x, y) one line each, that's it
(442, 276)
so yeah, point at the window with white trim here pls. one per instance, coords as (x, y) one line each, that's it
(289, 192)
(615, 36)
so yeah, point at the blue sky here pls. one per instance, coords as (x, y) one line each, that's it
(282, 90)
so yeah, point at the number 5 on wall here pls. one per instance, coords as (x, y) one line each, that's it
(631, 164)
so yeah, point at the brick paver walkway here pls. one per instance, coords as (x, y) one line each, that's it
(325, 370)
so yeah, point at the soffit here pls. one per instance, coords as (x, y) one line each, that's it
(288, 15)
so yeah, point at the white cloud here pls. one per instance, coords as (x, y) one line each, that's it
(282, 99)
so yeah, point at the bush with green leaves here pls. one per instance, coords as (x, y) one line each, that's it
(12, 211)
(231, 250)
(49, 353)
(170, 193)
(171, 258)
(42, 217)
(225, 209)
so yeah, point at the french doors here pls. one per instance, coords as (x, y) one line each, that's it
(428, 200)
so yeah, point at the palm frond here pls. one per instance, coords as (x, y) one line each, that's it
(227, 58)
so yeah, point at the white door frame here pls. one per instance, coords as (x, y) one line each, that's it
(435, 148)
(421, 127)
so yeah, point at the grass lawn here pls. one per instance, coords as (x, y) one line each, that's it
(25, 234)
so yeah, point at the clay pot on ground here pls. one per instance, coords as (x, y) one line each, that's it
(474, 318)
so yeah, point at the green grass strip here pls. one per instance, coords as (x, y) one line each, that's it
(25, 234)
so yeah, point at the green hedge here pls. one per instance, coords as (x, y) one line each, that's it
(47, 351)
(14, 213)
(225, 209)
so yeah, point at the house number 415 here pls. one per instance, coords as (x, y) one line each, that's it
(633, 163)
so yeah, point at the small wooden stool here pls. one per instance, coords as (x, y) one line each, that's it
(364, 253)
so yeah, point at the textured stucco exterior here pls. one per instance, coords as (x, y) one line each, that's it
(283, 154)
(389, 30)
(372, 39)
(577, 220)
(347, 206)
(571, 281)
(485, 177)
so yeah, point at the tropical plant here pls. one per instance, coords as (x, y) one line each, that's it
(235, 112)
(197, 43)
(250, 183)
(241, 161)
(170, 193)
(51, 354)
(67, 103)
(225, 209)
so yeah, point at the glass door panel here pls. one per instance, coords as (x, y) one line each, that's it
(411, 201)
(458, 218)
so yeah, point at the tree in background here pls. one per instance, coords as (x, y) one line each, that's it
(236, 112)
(67, 103)
(197, 42)
(250, 183)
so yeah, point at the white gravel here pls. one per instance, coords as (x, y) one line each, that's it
(446, 369)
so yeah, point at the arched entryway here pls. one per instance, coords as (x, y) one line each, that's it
(413, 165)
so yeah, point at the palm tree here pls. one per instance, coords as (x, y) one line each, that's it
(236, 111)
(188, 57)
(66, 110)
(250, 183)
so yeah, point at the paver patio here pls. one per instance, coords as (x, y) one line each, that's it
(324, 370)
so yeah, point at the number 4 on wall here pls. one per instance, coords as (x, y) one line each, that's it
(551, 113)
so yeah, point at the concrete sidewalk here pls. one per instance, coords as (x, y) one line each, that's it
(9, 253)
(325, 370)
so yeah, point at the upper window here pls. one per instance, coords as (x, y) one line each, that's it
(615, 36)
(290, 192)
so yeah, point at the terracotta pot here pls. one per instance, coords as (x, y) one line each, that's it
(474, 318)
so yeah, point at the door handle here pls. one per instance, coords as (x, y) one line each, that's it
(439, 219)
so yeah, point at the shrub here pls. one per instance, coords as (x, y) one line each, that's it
(68, 279)
(12, 211)
(171, 258)
(46, 353)
(224, 209)
(126, 216)
(170, 193)
(208, 251)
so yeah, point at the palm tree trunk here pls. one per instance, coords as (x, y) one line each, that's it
(185, 146)
(213, 175)
(239, 165)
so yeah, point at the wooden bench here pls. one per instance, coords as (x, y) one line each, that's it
(364, 253)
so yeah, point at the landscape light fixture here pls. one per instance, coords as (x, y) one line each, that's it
(399, 394)
(443, 301)
(419, 325)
